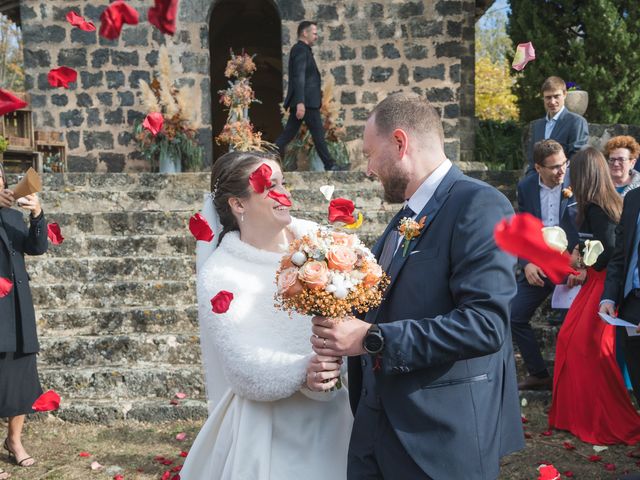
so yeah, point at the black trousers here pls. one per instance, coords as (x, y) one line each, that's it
(313, 120)
(375, 452)
(630, 311)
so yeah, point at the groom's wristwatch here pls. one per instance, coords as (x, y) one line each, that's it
(373, 342)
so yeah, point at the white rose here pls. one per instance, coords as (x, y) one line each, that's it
(556, 238)
(592, 250)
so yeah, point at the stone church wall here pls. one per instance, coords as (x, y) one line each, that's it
(370, 49)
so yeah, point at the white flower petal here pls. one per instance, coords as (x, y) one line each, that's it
(327, 191)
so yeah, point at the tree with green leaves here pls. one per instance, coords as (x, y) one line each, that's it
(593, 43)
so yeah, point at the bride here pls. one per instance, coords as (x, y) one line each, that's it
(272, 414)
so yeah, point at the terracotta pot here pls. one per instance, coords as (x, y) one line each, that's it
(577, 101)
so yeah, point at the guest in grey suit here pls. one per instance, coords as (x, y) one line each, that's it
(431, 371)
(567, 128)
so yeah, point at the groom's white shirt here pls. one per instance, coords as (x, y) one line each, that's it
(423, 194)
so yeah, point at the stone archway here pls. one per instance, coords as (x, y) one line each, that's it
(255, 26)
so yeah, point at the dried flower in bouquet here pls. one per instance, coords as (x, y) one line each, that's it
(329, 273)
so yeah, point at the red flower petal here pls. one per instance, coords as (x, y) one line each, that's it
(184, 454)
(176, 477)
(84, 454)
(568, 474)
(548, 472)
(200, 228)
(341, 210)
(158, 458)
(163, 15)
(524, 419)
(46, 402)
(9, 102)
(118, 477)
(569, 446)
(54, 233)
(595, 458)
(610, 467)
(281, 198)
(177, 468)
(62, 77)
(77, 21)
(153, 122)
(174, 402)
(261, 178)
(547, 433)
(527, 435)
(166, 475)
(522, 236)
(181, 436)
(166, 461)
(114, 16)
(220, 304)
(181, 395)
(5, 286)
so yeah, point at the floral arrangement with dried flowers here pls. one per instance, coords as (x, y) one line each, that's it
(238, 132)
(177, 135)
(302, 144)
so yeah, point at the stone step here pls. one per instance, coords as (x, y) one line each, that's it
(121, 383)
(89, 410)
(48, 269)
(86, 201)
(104, 350)
(177, 222)
(117, 321)
(123, 246)
(194, 181)
(159, 293)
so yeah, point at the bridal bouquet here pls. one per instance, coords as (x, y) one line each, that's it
(329, 273)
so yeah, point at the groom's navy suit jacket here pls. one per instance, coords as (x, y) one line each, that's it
(447, 381)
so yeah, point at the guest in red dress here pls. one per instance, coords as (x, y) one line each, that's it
(589, 395)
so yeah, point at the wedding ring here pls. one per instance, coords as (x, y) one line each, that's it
(324, 343)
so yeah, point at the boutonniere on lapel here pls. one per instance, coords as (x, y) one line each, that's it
(567, 192)
(410, 229)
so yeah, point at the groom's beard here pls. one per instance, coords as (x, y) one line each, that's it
(395, 183)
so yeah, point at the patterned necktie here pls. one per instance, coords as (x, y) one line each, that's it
(391, 242)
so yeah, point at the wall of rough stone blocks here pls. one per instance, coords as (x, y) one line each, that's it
(371, 48)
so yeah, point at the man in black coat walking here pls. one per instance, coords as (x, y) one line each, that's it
(304, 94)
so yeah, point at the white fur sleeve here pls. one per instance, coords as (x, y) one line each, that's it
(253, 369)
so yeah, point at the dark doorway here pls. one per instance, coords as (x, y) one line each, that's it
(252, 25)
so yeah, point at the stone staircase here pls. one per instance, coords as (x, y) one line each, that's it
(115, 302)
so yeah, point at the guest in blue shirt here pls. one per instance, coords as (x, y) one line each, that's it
(567, 128)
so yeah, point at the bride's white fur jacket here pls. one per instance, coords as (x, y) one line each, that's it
(263, 352)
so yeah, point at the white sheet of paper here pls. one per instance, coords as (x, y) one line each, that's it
(563, 296)
(618, 322)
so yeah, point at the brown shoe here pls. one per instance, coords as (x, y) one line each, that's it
(536, 383)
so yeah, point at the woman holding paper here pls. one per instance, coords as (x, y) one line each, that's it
(589, 396)
(19, 384)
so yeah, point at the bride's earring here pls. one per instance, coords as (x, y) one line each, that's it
(241, 217)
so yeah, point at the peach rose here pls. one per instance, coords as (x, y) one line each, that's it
(341, 258)
(288, 283)
(374, 273)
(286, 262)
(314, 274)
(344, 239)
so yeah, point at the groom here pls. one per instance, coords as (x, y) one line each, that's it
(431, 372)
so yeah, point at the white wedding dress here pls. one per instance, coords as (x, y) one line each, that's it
(263, 425)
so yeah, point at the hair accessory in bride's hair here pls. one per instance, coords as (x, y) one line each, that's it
(215, 190)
